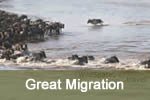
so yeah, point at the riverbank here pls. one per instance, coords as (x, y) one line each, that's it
(136, 85)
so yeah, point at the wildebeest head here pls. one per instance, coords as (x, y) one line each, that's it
(89, 21)
(24, 46)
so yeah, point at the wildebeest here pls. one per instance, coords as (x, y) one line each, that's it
(146, 63)
(54, 28)
(95, 21)
(16, 30)
(38, 56)
(81, 60)
(112, 59)
(6, 54)
(35, 33)
(7, 45)
(20, 28)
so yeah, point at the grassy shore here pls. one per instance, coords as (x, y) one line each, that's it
(137, 85)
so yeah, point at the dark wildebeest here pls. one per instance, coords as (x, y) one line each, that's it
(6, 54)
(95, 21)
(146, 63)
(35, 33)
(54, 28)
(6, 45)
(112, 59)
(80, 60)
(39, 56)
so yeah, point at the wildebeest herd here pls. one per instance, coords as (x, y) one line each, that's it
(14, 28)
(16, 31)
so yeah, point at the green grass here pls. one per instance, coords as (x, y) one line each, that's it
(137, 85)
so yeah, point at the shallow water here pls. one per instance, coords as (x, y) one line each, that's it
(127, 41)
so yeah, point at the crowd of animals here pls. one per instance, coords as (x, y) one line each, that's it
(16, 31)
(82, 60)
(85, 59)
(14, 28)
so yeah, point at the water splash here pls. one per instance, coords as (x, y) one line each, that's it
(60, 64)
